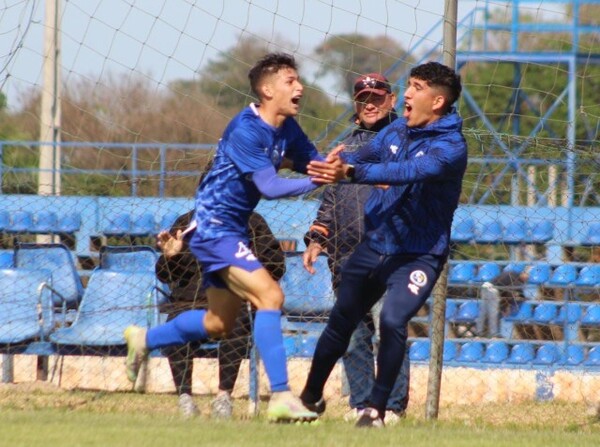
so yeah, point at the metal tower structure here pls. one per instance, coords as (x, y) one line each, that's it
(501, 36)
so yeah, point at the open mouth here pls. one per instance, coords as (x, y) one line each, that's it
(407, 107)
(296, 99)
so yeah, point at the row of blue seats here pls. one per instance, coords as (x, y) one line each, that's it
(494, 232)
(50, 222)
(540, 274)
(37, 292)
(502, 353)
(534, 312)
(574, 315)
(42, 222)
(514, 232)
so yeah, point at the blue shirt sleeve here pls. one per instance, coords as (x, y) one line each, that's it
(438, 162)
(271, 186)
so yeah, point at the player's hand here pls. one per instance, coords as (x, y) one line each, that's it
(310, 256)
(326, 172)
(335, 152)
(170, 245)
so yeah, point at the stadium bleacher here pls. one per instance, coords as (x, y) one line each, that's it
(539, 332)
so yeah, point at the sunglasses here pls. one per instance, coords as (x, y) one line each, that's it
(371, 83)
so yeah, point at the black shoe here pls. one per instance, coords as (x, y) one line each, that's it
(370, 418)
(318, 406)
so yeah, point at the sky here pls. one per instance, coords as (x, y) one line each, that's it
(174, 39)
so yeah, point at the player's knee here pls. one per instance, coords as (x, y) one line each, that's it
(271, 299)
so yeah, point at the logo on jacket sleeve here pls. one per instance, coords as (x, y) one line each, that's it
(418, 279)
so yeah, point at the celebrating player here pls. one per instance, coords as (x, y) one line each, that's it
(249, 153)
(423, 157)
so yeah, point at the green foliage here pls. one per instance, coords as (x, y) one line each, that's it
(346, 56)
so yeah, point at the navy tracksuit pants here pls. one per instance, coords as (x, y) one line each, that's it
(408, 280)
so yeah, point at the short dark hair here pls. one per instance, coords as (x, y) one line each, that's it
(439, 75)
(269, 64)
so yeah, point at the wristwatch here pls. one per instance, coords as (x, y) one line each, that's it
(350, 172)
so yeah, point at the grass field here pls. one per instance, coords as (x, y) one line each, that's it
(41, 415)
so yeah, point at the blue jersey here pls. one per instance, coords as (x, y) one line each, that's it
(424, 168)
(227, 195)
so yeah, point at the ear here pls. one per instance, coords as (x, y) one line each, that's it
(393, 99)
(267, 90)
(439, 103)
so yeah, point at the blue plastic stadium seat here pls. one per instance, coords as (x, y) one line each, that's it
(563, 276)
(20, 222)
(574, 355)
(136, 258)
(593, 357)
(463, 231)
(523, 313)
(467, 312)
(548, 354)
(449, 351)
(22, 303)
(592, 236)
(516, 267)
(307, 294)
(515, 232)
(545, 313)
(542, 232)
(118, 225)
(419, 351)
(490, 233)
(69, 223)
(4, 220)
(571, 312)
(589, 276)
(462, 273)
(45, 222)
(591, 316)
(143, 225)
(112, 301)
(539, 274)
(308, 298)
(496, 352)
(6, 259)
(167, 221)
(521, 354)
(451, 307)
(487, 272)
(59, 262)
(471, 352)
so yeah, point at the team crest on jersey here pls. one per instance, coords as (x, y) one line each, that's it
(394, 149)
(275, 157)
(244, 252)
(418, 279)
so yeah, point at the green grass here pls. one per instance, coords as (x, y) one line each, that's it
(43, 416)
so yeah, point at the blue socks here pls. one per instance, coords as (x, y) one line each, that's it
(269, 341)
(187, 326)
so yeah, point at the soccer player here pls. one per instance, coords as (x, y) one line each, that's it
(249, 153)
(423, 157)
(180, 269)
(338, 229)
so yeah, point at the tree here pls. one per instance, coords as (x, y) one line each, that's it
(347, 55)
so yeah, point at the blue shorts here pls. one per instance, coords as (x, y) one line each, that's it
(216, 254)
